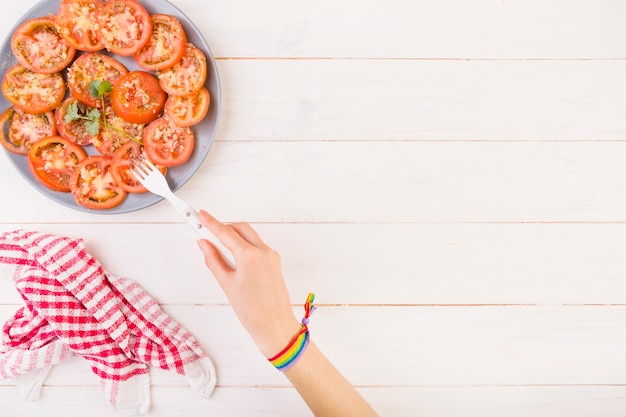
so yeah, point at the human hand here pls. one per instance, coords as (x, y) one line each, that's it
(256, 289)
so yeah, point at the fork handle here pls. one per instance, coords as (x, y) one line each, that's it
(191, 216)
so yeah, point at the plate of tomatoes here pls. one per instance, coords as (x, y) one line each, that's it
(88, 86)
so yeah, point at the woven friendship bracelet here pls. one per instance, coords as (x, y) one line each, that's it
(287, 357)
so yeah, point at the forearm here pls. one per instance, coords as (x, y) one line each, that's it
(324, 389)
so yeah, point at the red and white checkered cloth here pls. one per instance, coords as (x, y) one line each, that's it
(73, 306)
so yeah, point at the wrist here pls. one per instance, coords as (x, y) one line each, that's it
(279, 336)
(284, 359)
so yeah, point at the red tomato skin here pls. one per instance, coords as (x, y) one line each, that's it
(167, 144)
(77, 185)
(189, 110)
(74, 130)
(122, 162)
(137, 97)
(168, 31)
(19, 74)
(110, 36)
(31, 32)
(89, 67)
(36, 126)
(37, 167)
(179, 80)
(66, 19)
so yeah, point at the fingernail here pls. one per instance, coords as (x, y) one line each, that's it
(202, 244)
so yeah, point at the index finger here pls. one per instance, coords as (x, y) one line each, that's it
(229, 237)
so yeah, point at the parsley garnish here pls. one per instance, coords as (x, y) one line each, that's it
(93, 118)
(97, 89)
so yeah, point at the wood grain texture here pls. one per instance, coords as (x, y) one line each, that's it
(423, 100)
(438, 346)
(483, 29)
(606, 401)
(416, 264)
(389, 182)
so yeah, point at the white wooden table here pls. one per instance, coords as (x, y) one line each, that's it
(449, 178)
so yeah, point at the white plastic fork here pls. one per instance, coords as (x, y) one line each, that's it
(154, 181)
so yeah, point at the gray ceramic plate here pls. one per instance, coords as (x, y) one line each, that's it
(204, 131)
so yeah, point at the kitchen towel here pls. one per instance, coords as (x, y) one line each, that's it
(74, 307)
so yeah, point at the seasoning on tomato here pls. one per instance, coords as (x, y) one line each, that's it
(188, 110)
(137, 97)
(167, 144)
(125, 26)
(93, 185)
(186, 76)
(38, 46)
(90, 67)
(52, 161)
(72, 119)
(166, 45)
(77, 23)
(123, 161)
(33, 92)
(24, 129)
(115, 133)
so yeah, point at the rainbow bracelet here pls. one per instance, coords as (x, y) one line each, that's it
(287, 357)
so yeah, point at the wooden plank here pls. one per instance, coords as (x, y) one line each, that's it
(435, 346)
(390, 182)
(485, 29)
(541, 401)
(423, 100)
(400, 263)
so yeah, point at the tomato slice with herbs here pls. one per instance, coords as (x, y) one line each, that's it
(76, 129)
(186, 76)
(93, 185)
(23, 129)
(166, 45)
(125, 26)
(91, 67)
(52, 161)
(167, 144)
(38, 46)
(188, 110)
(33, 92)
(137, 97)
(122, 163)
(115, 133)
(77, 23)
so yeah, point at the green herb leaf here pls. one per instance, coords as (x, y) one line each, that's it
(71, 113)
(98, 88)
(92, 127)
(94, 114)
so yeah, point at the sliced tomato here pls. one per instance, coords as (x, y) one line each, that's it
(167, 144)
(75, 130)
(188, 110)
(23, 129)
(166, 45)
(186, 76)
(77, 23)
(125, 26)
(115, 133)
(38, 46)
(90, 67)
(122, 162)
(33, 92)
(137, 97)
(93, 185)
(52, 161)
